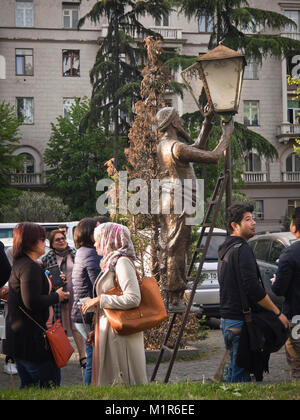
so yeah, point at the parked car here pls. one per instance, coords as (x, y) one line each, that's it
(8, 242)
(207, 296)
(267, 249)
(6, 230)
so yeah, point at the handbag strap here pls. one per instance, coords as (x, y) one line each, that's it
(116, 280)
(244, 299)
(32, 319)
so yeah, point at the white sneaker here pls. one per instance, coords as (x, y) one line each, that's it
(10, 369)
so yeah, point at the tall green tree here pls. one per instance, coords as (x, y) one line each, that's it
(116, 76)
(233, 20)
(76, 160)
(9, 141)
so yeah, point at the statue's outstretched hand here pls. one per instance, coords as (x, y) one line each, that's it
(227, 127)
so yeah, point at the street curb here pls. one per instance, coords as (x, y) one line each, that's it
(152, 355)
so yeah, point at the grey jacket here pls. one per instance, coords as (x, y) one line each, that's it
(86, 269)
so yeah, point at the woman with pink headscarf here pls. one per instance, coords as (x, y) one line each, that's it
(116, 359)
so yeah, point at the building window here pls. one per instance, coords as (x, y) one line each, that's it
(293, 112)
(71, 63)
(251, 71)
(70, 16)
(67, 105)
(293, 66)
(24, 13)
(206, 24)
(163, 20)
(25, 110)
(295, 16)
(292, 204)
(253, 163)
(24, 62)
(259, 210)
(293, 163)
(251, 113)
(28, 163)
(2, 67)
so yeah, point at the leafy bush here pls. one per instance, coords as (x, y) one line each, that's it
(35, 207)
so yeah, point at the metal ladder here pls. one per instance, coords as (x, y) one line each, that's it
(212, 211)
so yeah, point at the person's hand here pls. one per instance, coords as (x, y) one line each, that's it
(62, 295)
(285, 321)
(63, 277)
(89, 304)
(90, 339)
(227, 127)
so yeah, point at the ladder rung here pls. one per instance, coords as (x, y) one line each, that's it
(199, 248)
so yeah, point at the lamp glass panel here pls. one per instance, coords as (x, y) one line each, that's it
(224, 79)
(192, 80)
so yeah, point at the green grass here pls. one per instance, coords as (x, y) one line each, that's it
(181, 391)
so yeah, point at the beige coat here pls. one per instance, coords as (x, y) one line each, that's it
(118, 359)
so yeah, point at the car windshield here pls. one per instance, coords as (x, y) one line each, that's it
(215, 243)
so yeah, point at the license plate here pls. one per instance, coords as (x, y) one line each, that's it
(210, 275)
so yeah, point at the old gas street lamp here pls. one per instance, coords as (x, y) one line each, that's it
(215, 82)
(218, 74)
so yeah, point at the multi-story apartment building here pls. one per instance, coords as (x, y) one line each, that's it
(45, 63)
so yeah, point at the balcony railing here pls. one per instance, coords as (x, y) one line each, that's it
(26, 179)
(164, 31)
(168, 33)
(254, 177)
(288, 129)
(291, 176)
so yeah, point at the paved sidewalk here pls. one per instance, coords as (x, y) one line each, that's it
(212, 350)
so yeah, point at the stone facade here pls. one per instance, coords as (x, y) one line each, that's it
(269, 183)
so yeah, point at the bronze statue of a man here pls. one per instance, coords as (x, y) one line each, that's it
(175, 160)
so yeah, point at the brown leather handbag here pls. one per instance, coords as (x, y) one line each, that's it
(150, 313)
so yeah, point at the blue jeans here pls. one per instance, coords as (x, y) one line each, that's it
(88, 351)
(43, 374)
(235, 373)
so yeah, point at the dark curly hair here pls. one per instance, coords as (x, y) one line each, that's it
(236, 213)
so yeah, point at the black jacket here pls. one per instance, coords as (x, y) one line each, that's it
(230, 301)
(287, 281)
(275, 335)
(86, 269)
(29, 289)
(5, 268)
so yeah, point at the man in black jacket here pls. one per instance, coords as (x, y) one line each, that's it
(287, 284)
(241, 227)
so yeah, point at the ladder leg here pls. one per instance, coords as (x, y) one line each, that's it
(162, 350)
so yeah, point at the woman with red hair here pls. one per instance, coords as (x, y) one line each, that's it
(29, 291)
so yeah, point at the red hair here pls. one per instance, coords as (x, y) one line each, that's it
(25, 237)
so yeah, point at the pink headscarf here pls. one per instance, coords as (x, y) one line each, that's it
(115, 242)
